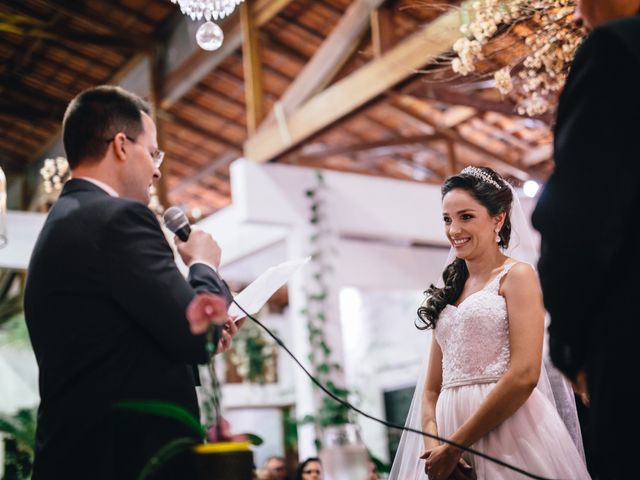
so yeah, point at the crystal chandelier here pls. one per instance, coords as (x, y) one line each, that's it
(216, 9)
(209, 36)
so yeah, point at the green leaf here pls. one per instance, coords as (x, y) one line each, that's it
(381, 467)
(253, 439)
(166, 410)
(21, 426)
(166, 453)
(325, 348)
(306, 420)
(323, 368)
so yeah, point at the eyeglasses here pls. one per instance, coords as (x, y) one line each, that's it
(157, 156)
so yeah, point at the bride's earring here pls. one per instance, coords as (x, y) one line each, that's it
(497, 236)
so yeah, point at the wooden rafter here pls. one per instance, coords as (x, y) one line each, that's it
(220, 162)
(62, 35)
(382, 30)
(451, 157)
(453, 96)
(357, 89)
(329, 58)
(413, 106)
(78, 9)
(363, 147)
(252, 67)
(158, 64)
(109, 35)
(119, 75)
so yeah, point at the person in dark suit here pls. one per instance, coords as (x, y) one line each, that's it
(590, 261)
(105, 303)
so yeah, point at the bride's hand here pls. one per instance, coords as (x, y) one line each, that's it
(441, 461)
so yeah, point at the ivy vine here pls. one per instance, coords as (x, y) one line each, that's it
(330, 412)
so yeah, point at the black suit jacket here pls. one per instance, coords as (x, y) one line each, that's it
(105, 307)
(588, 219)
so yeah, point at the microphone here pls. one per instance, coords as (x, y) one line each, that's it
(176, 221)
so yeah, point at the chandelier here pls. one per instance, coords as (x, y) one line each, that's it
(209, 36)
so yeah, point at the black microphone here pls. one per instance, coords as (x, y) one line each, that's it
(176, 221)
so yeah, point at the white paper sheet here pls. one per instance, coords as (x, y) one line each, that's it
(262, 288)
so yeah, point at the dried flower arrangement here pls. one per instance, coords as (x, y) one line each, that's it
(551, 43)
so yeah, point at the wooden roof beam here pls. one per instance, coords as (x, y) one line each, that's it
(77, 9)
(363, 147)
(252, 67)
(454, 96)
(357, 89)
(222, 161)
(382, 30)
(412, 107)
(63, 35)
(328, 59)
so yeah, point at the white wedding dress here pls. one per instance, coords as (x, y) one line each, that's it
(474, 339)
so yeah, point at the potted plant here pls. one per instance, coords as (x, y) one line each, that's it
(217, 451)
(20, 430)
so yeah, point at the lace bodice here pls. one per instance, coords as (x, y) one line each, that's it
(474, 337)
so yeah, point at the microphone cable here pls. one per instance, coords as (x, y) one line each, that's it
(384, 422)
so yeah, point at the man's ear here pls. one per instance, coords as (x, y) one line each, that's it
(119, 146)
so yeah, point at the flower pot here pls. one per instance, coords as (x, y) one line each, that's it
(344, 455)
(224, 461)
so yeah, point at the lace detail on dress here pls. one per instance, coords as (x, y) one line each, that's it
(474, 337)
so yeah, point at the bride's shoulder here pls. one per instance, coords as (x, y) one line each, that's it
(519, 274)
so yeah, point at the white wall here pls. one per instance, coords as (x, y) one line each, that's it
(384, 349)
(22, 231)
(266, 422)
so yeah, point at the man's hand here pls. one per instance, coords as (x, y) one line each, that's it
(231, 327)
(441, 461)
(201, 247)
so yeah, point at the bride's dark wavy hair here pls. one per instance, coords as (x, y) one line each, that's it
(495, 200)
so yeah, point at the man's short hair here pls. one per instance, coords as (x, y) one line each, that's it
(95, 116)
(274, 457)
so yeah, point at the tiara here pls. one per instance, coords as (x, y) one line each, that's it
(481, 175)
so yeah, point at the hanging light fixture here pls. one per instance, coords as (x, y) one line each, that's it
(209, 36)
(3, 209)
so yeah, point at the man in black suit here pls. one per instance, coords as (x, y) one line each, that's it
(590, 260)
(105, 303)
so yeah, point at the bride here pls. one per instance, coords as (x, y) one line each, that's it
(485, 385)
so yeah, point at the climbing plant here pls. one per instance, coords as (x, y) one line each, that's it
(323, 364)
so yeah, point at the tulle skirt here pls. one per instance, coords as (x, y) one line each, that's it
(534, 438)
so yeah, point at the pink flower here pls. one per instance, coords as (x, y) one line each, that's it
(225, 434)
(204, 310)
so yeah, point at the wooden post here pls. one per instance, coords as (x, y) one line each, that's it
(252, 67)
(382, 30)
(158, 70)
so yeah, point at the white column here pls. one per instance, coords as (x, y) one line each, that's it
(305, 405)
